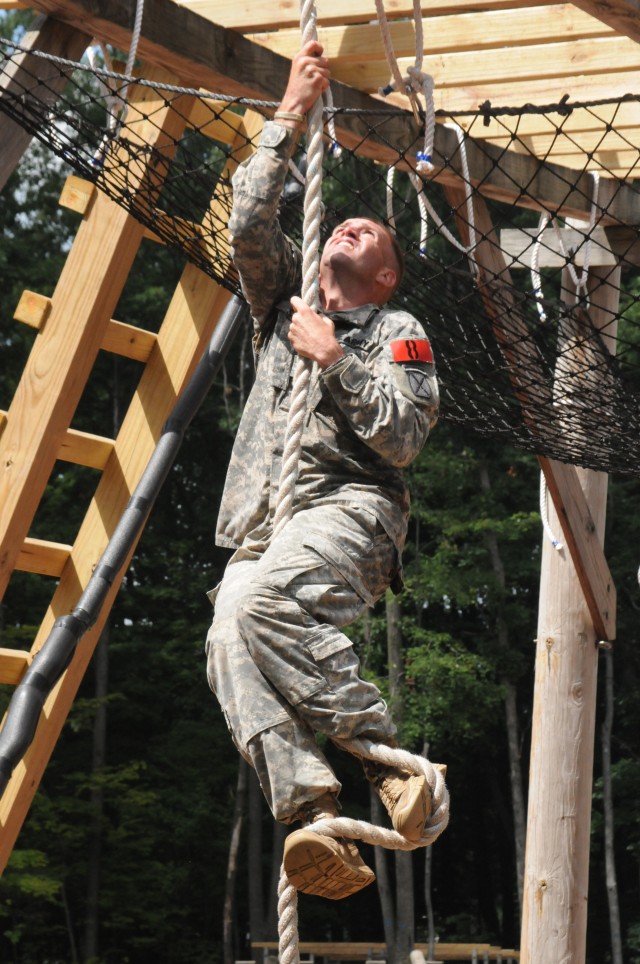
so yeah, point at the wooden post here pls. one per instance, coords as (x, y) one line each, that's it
(33, 73)
(561, 770)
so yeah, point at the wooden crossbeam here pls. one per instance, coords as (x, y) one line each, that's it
(477, 31)
(43, 557)
(516, 66)
(25, 70)
(622, 15)
(13, 665)
(122, 339)
(265, 15)
(582, 540)
(363, 950)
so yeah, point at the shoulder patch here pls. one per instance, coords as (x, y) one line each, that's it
(411, 350)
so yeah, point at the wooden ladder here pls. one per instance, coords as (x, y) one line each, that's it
(73, 326)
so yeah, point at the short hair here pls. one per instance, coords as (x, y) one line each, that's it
(398, 253)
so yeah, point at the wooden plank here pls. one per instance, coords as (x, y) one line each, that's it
(476, 31)
(42, 557)
(121, 339)
(13, 665)
(517, 65)
(518, 246)
(50, 36)
(185, 331)
(622, 15)
(548, 90)
(32, 309)
(363, 950)
(623, 118)
(83, 448)
(264, 15)
(63, 354)
(77, 194)
(128, 341)
(580, 536)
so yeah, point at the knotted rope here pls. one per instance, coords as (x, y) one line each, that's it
(361, 830)
(310, 293)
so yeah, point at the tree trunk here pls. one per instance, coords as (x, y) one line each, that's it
(279, 833)
(228, 913)
(607, 801)
(511, 713)
(254, 862)
(404, 929)
(382, 879)
(101, 670)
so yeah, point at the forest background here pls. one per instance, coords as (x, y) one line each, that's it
(148, 839)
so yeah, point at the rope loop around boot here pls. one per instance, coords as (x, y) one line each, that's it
(289, 952)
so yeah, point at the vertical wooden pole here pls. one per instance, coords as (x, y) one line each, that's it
(561, 770)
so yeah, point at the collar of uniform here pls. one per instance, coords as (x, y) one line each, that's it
(355, 316)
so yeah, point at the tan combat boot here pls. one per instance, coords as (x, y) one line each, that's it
(406, 796)
(321, 865)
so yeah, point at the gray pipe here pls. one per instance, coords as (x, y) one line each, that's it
(57, 652)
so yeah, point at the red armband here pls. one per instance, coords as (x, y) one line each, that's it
(411, 350)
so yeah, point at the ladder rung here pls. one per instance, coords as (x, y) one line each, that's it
(13, 665)
(129, 341)
(76, 194)
(120, 338)
(81, 448)
(42, 557)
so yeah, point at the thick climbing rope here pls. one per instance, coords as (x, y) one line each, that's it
(417, 81)
(361, 830)
(338, 827)
(310, 293)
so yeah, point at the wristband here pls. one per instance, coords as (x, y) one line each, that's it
(288, 115)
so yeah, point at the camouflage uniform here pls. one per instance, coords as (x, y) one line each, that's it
(277, 660)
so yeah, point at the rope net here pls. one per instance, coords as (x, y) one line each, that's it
(522, 268)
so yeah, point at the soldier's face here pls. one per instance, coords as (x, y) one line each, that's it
(361, 245)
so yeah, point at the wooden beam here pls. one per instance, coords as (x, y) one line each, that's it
(81, 448)
(42, 557)
(246, 15)
(486, 30)
(622, 15)
(585, 548)
(515, 65)
(13, 665)
(580, 87)
(26, 71)
(221, 60)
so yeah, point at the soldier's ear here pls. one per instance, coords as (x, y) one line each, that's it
(387, 277)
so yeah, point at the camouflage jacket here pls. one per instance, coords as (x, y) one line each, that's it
(368, 414)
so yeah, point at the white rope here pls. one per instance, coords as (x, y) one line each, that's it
(544, 514)
(580, 281)
(536, 280)
(310, 293)
(366, 832)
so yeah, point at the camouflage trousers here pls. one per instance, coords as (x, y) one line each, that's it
(277, 661)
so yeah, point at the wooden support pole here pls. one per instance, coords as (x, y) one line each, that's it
(554, 921)
(33, 73)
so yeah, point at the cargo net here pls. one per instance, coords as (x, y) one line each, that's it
(522, 269)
